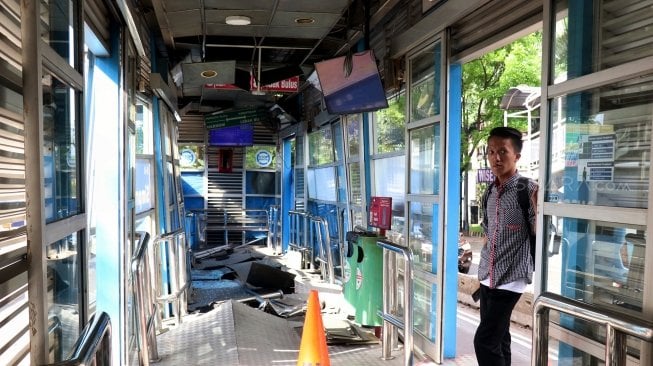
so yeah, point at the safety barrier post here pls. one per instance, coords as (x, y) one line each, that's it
(618, 326)
(173, 247)
(390, 321)
(142, 287)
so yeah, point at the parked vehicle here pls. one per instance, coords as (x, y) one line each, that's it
(464, 255)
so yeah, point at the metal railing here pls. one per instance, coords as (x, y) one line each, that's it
(319, 234)
(308, 233)
(274, 228)
(146, 310)
(390, 321)
(245, 220)
(618, 327)
(198, 231)
(172, 248)
(93, 347)
(298, 239)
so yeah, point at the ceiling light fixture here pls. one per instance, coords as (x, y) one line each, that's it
(209, 74)
(304, 20)
(238, 20)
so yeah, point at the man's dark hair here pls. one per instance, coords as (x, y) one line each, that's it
(509, 133)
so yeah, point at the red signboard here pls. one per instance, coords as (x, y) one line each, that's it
(381, 212)
(289, 85)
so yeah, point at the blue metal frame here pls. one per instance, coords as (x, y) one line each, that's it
(109, 238)
(452, 209)
(287, 192)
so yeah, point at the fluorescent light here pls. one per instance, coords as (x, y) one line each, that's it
(238, 20)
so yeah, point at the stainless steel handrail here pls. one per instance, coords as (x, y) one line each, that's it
(220, 219)
(391, 322)
(142, 287)
(176, 255)
(618, 326)
(298, 238)
(306, 231)
(320, 231)
(274, 228)
(93, 347)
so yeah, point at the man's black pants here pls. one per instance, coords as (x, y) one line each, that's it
(492, 338)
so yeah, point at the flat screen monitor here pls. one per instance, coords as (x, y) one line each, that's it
(360, 91)
(241, 135)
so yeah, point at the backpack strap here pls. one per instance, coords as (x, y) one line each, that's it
(524, 200)
(486, 196)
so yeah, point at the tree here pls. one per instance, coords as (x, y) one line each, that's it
(485, 81)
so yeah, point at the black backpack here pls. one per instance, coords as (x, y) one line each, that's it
(524, 202)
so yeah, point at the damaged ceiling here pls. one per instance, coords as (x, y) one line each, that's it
(283, 39)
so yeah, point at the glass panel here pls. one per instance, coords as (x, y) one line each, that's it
(322, 184)
(390, 181)
(60, 27)
(145, 223)
(569, 355)
(337, 140)
(425, 160)
(424, 308)
(421, 235)
(353, 131)
(425, 84)
(257, 182)
(63, 269)
(342, 183)
(356, 218)
(144, 131)
(260, 157)
(595, 35)
(191, 157)
(596, 262)
(355, 184)
(570, 351)
(320, 147)
(61, 158)
(389, 126)
(144, 185)
(601, 145)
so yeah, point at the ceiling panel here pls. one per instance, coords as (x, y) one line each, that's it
(294, 32)
(331, 6)
(179, 5)
(239, 4)
(323, 20)
(214, 29)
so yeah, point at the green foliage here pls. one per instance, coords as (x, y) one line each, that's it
(486, 80)
(561, 44)
(390, 125)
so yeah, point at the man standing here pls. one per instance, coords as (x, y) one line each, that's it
(506, 265)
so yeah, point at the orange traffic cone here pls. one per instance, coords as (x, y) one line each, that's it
(313, 350)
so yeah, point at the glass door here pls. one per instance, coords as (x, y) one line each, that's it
(425, 192)
(56, 212)
(595, 222)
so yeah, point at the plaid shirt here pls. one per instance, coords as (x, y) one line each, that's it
(506, 255)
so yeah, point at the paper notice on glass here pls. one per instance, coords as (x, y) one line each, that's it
(596, 158)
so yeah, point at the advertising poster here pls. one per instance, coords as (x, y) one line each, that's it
(596, 158)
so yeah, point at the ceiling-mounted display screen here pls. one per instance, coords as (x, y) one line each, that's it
(240, 135)
(359, 91)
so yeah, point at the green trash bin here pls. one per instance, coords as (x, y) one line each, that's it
(369, 281)
(350, 266)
